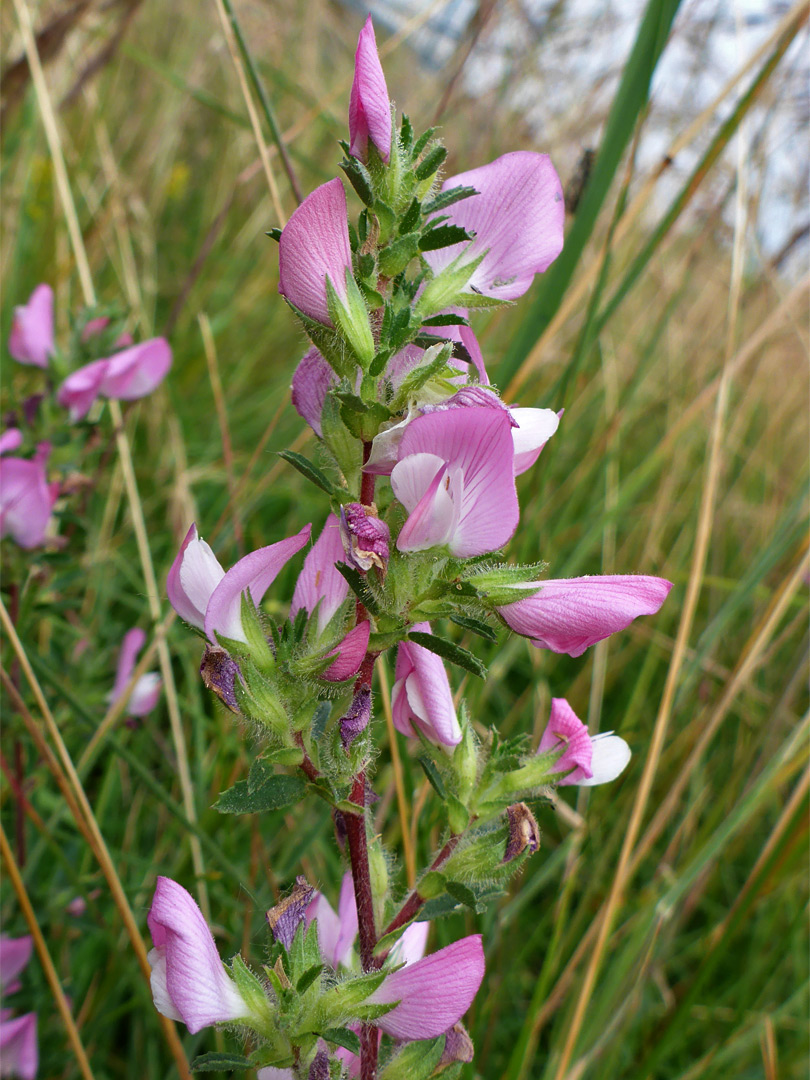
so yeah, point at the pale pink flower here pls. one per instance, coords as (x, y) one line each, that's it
(591, 759)
(421, 694)
(320, 587)
(31, 339)
(26, 497)
(127, 375)
(146, 691)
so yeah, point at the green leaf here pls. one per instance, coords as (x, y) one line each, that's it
(454, 654)
(415, 1061)
(394, 258)
(434, 776)
(276, 792)
(308, 978)
(359, 586)
(446, 320)
(447, 198)
(274, 234)
(442, 237)
(323, 711)
(341, 1036)
(220, 1062)
(422, 142)
(307, 469)
(483, 629)
(411, 218)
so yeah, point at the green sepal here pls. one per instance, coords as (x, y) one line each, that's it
(433, 364)
(346, 449)
(458, 816)
(476, 626)
(251, 989)
(394, 258)
(411, 218)
(287, 756)
(309, 977)
(434, 776)
(447, 288)
(431, 885)
(360, 179)
(341, 1036)
(442, 236)
(274, 234)
(351, 317)
(327, 341)
(358, 583)
(463, 894)
(387, 220)
(430, 163)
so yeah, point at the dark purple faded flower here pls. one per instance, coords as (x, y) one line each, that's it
(31, 338)
(524, 834)
(365, 537)
(285, 918)
(219, 674)
(357, 719)
(369, 107)
(421, 694)
(517, 218)
(568, 615)
(591, 759)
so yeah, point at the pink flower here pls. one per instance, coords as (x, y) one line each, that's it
(128, 375)
(146, 692)
(455, 478)
(517, 217)
(592, 759)
(10, 440)
(568, 615)
(14, 956)
(204, 595)
(336, 932)
(18, 1035)
(433, 993)
(369, 107)
(189, 981)
(26, 498)
(349, 654)
(320, 587)
(31, 338)
(314, 246)
(421, 694)
(311, 382)
(18, 1045)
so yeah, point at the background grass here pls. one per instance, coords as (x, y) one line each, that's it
(682, 453)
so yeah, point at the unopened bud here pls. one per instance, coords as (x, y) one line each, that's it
(378, 874)
(465, 763)
(524, 833)
(219, 672)
(365, 537)
(285, 917)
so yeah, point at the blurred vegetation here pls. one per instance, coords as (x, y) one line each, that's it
(682, 453)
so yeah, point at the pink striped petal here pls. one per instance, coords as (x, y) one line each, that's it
(194, 576)
(369, 107)
(31, 339)
(132, 644)
(350, 654)
(517, 216)
(422, 485)
(314, 245)
(411, 946)
(189, 981)
(336, 933)
(566, 732)
(422, 695)
(311, 382)
(433, 993)
(476, 444)
(570, 614)
(319, 584)
(254, 573)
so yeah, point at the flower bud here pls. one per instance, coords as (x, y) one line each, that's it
(465, 763)
(365, 537)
